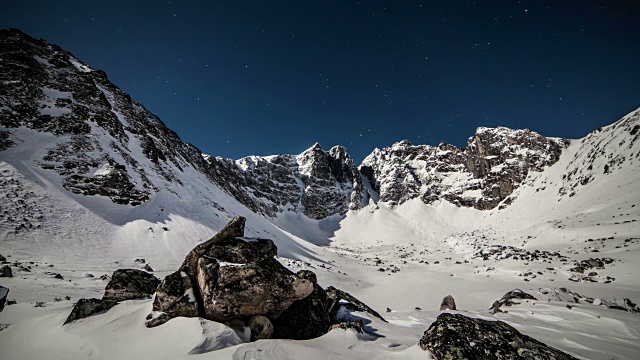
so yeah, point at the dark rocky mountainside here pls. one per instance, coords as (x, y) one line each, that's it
(108, 144)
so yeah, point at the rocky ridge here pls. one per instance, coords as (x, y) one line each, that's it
(107, 144)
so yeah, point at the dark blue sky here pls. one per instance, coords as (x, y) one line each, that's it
(237, 78)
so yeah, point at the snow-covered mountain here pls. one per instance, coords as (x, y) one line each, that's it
(92, 181)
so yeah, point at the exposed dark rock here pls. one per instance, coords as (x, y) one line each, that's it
(507, 300)
(307, 318)
(124, 284)
(6, 271)
(357, 325)
(87, 307)
(335, 295)
(448, 303)
(455, 336)
(148, 268)
(3, 296)
(174, 297)
(232, 280)
(130, 284)
(261, 327)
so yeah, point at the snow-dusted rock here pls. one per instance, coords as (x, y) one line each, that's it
(455, 336)
(88, 307)
(507, 299)
(484, 175)
(130, 284)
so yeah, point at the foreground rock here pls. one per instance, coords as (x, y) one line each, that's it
(125, 284)
(3, 296)
(239, 282)
(455, 336)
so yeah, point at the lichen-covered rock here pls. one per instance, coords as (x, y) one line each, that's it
(455, 336)
(239, 278)
(231, 278)
(507, 299)
(87, 307)
(448, 303)
(238, 281)
(130, 284)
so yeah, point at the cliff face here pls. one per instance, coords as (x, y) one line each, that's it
(495, 162)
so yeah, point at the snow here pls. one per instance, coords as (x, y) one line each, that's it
(48, 105)
(81, 235)
(80, 66)
(105, 169)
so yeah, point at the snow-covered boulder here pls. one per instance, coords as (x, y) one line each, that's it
(232, 279)
(455, 336)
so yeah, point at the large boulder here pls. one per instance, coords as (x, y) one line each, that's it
(455, 336)
(239, 278)
(230, 278)
(239, 282)
(130, 284)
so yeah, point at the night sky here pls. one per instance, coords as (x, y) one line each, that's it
(237, 78)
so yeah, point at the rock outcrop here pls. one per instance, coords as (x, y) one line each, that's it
(235, 280)
(129, 284)
(455, 336)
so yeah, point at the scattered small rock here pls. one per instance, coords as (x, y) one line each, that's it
(6, 271)
(448, 303)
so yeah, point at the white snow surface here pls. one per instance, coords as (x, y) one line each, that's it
(74, 235)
